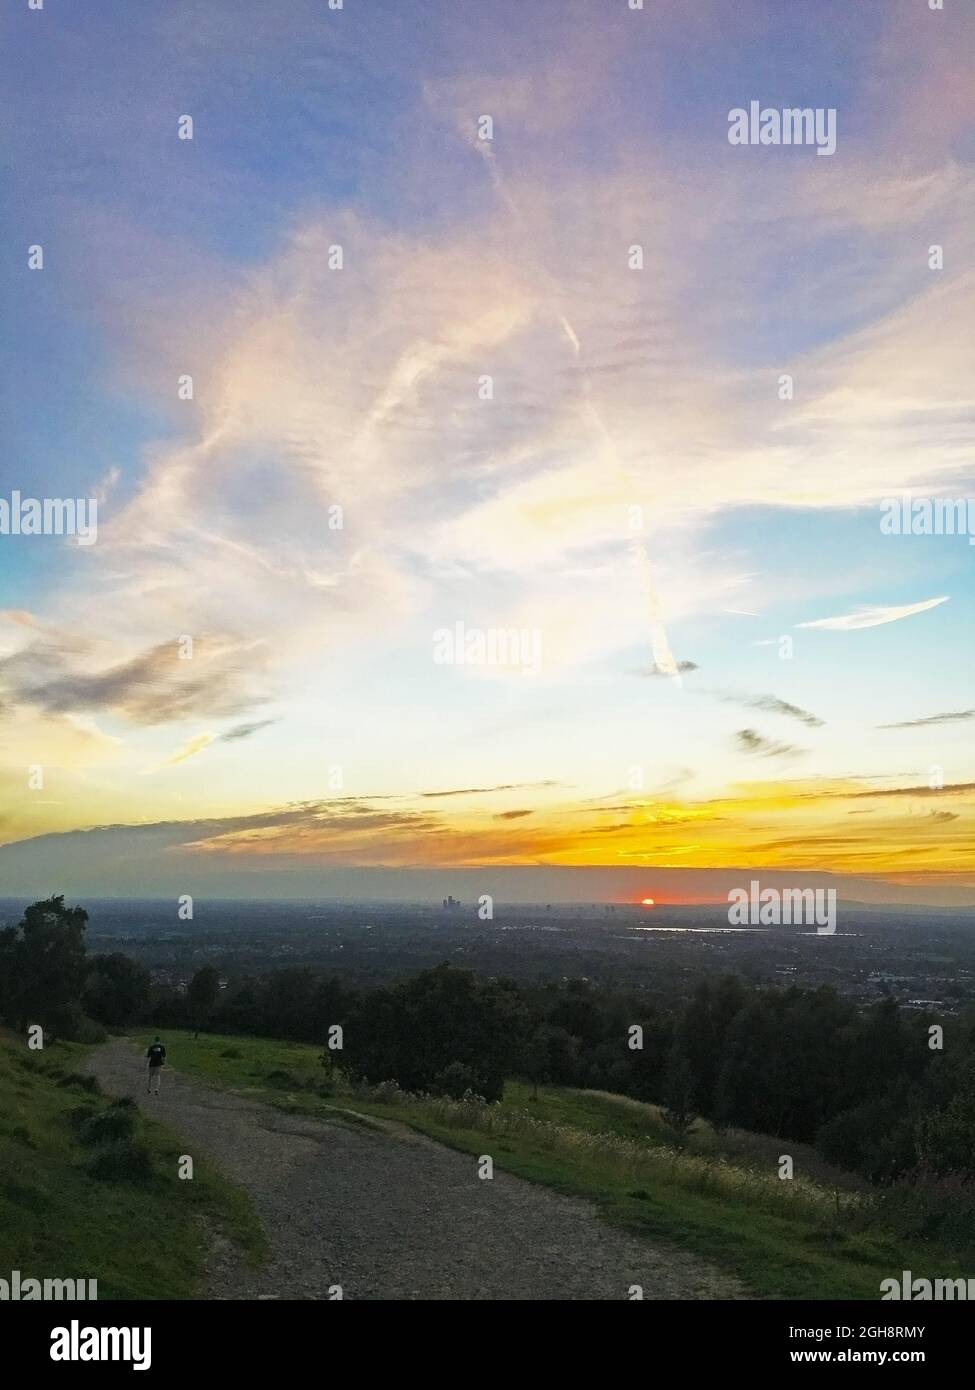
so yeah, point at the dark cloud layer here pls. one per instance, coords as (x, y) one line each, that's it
(155, 687)
(957, 717)
(244, 730)
(483, 791)
(771, 704)
(682, 666)
(749, 741)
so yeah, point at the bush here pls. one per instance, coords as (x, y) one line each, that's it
(875, 1139)
(31, 1199)
(125, 1160)
(70, 1023)
(89, 1032)
(456, 1080)
(108, 1126)
(930, 1206)
(946, 1137)
(233, 1052)
(79, 1116)
(83, 1083)
(282, 1079)
(384, 1092)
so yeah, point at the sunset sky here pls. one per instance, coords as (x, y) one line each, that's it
(313, 729)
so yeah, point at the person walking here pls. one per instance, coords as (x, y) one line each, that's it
(155, 1057)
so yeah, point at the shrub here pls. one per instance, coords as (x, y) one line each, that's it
(83, 1083)
(108, 1126)
(69, 1022)
(283, 1079)
(946, 1137)
(79, 1116)
(456, 1080)
(930, 1206)
(31, 1199)
(88, 1031)
(125, 1160)
(233, 1052)
(384, 1093)
(874, 1139)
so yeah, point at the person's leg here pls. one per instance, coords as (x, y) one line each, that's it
(158, 1079)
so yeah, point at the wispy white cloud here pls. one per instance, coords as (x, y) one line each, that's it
(191, 749)
(631, 410)
(961, 716)
(874, 617)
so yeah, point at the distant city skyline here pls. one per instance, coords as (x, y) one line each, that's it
(491, 458)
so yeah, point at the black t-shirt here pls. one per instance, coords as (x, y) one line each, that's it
(156, 1055)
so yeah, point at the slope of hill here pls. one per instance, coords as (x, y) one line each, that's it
(817, 1235)
(89, 1190)
(368, 1209)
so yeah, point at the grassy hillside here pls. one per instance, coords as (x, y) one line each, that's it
(137, 1228)
(814, 1236)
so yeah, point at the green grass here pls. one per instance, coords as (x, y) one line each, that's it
(205, 1056)
(814, 1237)
(606, 1113)
(139, 1239)
(783, 1239)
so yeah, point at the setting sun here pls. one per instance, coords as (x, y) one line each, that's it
(648, 902)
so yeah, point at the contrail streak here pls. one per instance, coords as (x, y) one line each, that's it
(663, 657)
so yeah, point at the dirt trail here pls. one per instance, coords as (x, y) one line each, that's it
(386, 1213)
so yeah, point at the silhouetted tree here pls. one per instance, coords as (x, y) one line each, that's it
(202, 994)
(551, 1055)
(946, 1137)
(117, 989)
(411, 1032)
(43, 966)
(678, 1094)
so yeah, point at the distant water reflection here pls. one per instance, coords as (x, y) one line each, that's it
(700, 931)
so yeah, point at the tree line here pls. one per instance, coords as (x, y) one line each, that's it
(879, 1090)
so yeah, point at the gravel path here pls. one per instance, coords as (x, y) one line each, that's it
(387, 1213)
